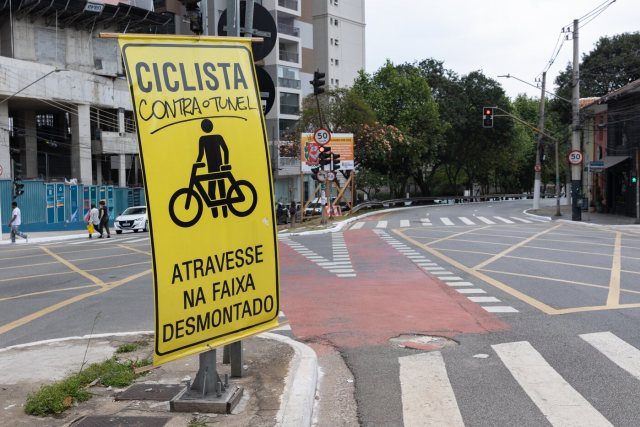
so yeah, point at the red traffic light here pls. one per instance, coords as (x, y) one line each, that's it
(488, 111)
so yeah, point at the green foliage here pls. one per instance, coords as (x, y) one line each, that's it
(57, 397)
(128, 347)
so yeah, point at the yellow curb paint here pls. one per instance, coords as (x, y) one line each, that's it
(135, 250)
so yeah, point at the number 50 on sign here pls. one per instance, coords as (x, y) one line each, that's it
(575, 157)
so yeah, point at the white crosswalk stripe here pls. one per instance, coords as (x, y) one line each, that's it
(466, 220)
(405, 223)
(621, 353)
(381, 224)
(429, 387)
(358, 225)
(426, 392)
(526, 221)
(561, 404)
(506, 221)
(485, 220)
(446, 221)
(425, 222)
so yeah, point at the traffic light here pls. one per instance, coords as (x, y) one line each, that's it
(18, 188)
(487, 117)
(317, 82)
(325, 156)
(634, 179)
(335, 162)
(314, 173)
(17, 170)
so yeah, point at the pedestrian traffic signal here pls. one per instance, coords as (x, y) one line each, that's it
(325, 156)
(317, 82)
(335, 162)
(18, 188)
(487, 117)
(314, 173)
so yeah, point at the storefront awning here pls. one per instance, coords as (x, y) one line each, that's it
(614, 160)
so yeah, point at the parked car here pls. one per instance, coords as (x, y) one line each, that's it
(133, 218)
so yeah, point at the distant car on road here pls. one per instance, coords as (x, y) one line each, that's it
(133, 218)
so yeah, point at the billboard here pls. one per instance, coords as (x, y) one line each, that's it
(340, 143)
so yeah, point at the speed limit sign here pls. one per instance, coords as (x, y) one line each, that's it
(322, 136)
(575, 157)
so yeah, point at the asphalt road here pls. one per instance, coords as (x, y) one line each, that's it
(416, 320)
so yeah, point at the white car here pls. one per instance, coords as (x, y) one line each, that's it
(133, 218)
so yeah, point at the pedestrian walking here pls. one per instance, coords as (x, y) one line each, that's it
(93, 220)
(292, 213)
(15, 222)
(104, 219)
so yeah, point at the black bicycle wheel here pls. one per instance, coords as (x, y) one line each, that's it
(192, 213)
(242, 202)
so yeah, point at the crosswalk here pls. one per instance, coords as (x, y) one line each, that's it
(428, 397)
(475, 294)
(446, 221)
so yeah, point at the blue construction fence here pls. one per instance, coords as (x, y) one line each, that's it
(55, 206)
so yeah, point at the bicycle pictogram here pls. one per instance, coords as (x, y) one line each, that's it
(239, 197)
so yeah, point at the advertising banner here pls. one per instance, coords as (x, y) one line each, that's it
(340, 143)
(208, 183)
(60, 199)
(75, 213)
(51, 203)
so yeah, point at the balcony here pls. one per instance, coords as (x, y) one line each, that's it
(288, 29)
(289, 4)
(289, 56)
(289, 83)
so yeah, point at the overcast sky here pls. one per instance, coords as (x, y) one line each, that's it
(499, 37)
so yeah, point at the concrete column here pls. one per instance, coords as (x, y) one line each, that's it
(5, 154)
(28, 143)
(98, 171)
(81, 146)
(122, 171)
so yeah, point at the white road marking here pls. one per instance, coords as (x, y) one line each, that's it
(483, 299)
(500, 309)
(405, 223)
(560, 403)
(620, 352)
(454, 284)
(446, 221)
(466, 220)
(425, 222)
(444, 273)
(471, 291)
(451, 278)
(485, 220)
(381, 224)
(358, 225)
(506, 221)
(526, 221)
(427, 395)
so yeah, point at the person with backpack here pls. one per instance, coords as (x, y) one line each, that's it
(104, 219)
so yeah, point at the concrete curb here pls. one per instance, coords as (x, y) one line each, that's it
(45, 239)
(298, 399)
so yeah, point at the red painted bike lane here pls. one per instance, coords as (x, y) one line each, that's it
(390, 296)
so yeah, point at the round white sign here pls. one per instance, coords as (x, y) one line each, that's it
(575, 157)
(322, 136)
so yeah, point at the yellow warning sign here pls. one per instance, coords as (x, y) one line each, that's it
(205, 157)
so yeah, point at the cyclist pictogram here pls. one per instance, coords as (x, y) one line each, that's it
(239, 197)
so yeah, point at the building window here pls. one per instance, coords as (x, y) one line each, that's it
(335, 42)
(331, 61)
(331, 81)
(331, 40)
(337, 82)
(335, 22)
(289, 103)
(337, 62)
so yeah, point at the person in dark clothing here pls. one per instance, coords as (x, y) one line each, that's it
(216, 152)
(104, 219)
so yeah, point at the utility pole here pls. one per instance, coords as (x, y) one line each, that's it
(637, 186)
(538, 169)
(558, 213)
(576, 182)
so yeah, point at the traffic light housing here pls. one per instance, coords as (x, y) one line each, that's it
(317, 82)
(18, 188)
(487, 117)
(634, 179)
(335, 162)
(325, 156)
(314, 173)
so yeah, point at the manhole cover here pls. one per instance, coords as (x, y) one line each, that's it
(114, 421)
(422, 342)
(159, 392)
